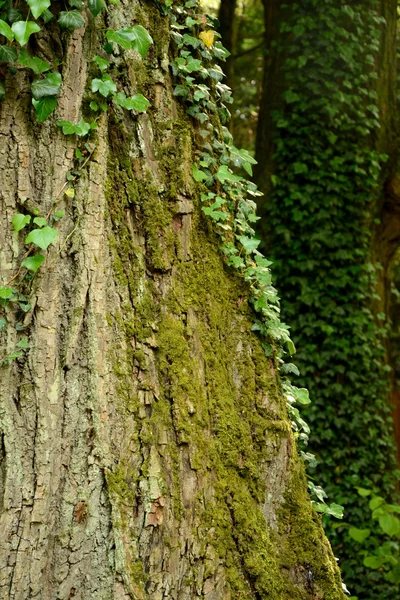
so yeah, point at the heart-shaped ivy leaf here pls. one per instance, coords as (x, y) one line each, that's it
(32, 263)
(23, 30)
(41, 237)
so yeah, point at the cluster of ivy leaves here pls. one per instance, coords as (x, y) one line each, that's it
(228, 197)
(17, 25)
(16, 29)
(320, 219)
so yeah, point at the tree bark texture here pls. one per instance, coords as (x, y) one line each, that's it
(145, 450)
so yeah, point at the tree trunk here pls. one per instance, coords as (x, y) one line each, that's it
(227, 29)
(145, 448)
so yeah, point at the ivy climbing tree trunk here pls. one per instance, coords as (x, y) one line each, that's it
(145, 448)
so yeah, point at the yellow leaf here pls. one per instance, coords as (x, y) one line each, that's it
(70, 193)
(207, 37)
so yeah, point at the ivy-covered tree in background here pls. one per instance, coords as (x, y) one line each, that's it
(328, 163)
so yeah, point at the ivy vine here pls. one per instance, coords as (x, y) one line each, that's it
(228, 199)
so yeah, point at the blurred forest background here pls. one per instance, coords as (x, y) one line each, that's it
(315, 102)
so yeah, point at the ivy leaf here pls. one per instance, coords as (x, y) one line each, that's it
(102, 63)
(35, 63)
(105, 86)
(44, 107)
(23, 30)
(19, 221)
(136, 38)
(49, 86)
(359, 535)
(2, 91)
(8, 54)
(142, 41)
(122, 37)
(207, 37)
(32, 263)
(96, 6)
(249, 244)
(389, 524)
(40, 221)
(23, 343)
(6, 30)
(38, 6)
(197, 174)
(42, 237)
(46, 16)
(3, 324)
(136, 102)
(374, 562)
(71, 19)
(13, 15)
(224, 174)
(302, 396)
(82, 128)
(6, 292)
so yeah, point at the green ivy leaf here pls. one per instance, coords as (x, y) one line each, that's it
(102, 63)
(142, 40)
(48, 86)
(6, 30)
(96, 6)
(359, 535)
(224, 174)
(38, 6)
(389, 524)
(35, 63)
(81, 129)
(136, 38)
(46, 16)
(363, 492)
(44, 107)
(71, 19)
(23, 343)
(105, 86)
(6, 292)
(40, 221)
(23, 30)
(137, 102)
(42, 237)
(197, 174)
(32, 263)
(122, 37)
(2, 91)
(249, 244)
(374, 562)
(8, 54)
(3, 324)
(302, 396)
(20, 221)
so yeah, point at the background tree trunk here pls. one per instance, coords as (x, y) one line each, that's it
(145, 449)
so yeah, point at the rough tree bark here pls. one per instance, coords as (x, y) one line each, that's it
(145, 449)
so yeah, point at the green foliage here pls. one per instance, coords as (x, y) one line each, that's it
(320, 218)
(131, 38)
(228, 199)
